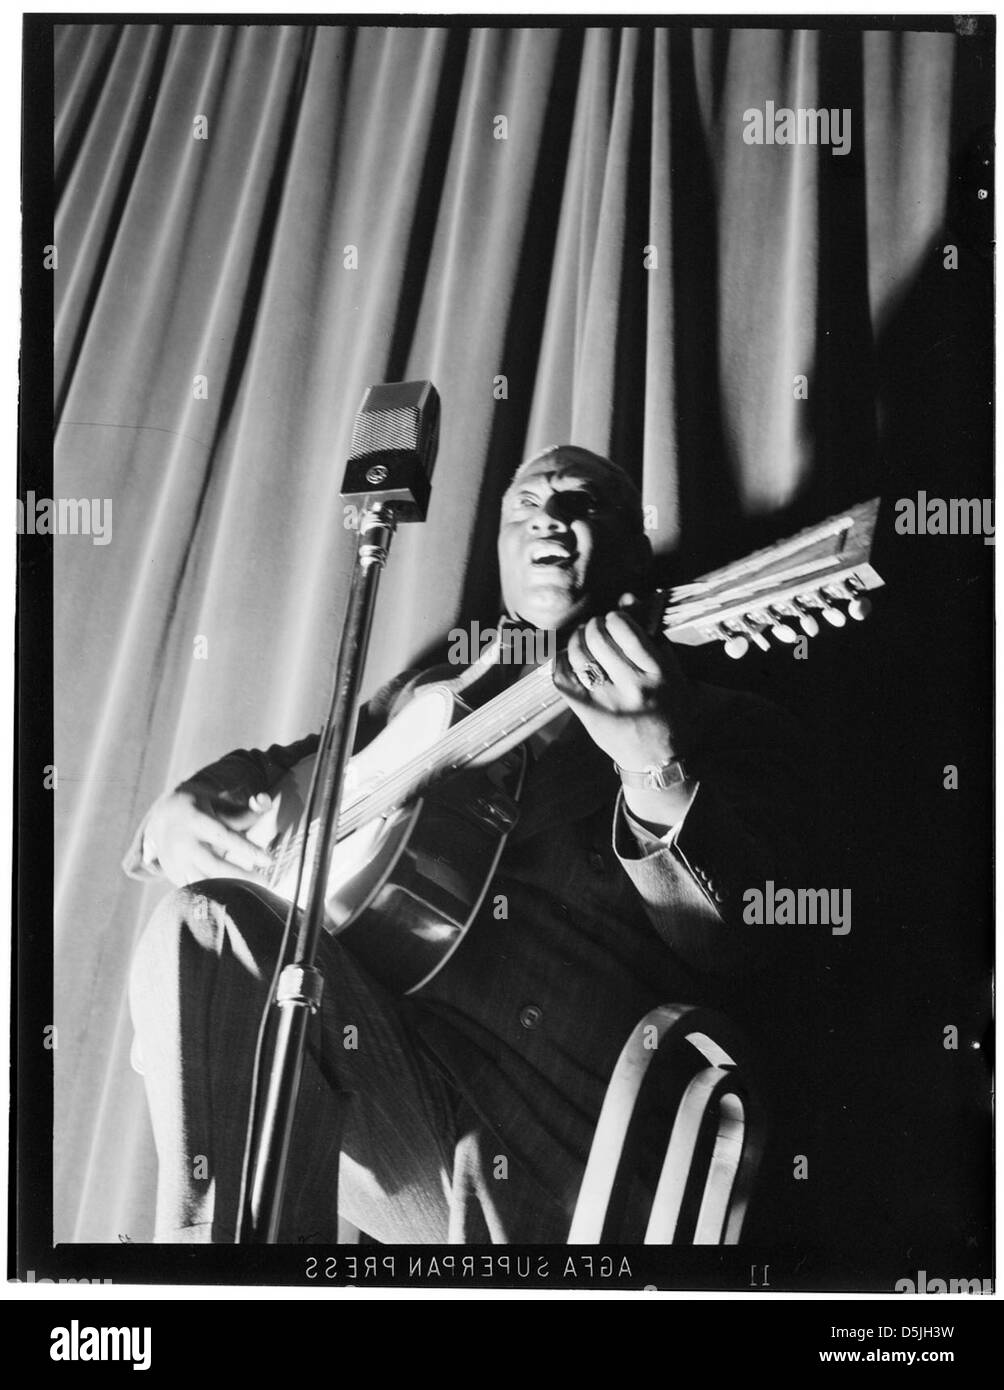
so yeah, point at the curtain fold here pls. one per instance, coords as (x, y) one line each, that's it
(351, 217)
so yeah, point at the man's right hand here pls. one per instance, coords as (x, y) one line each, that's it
(191, 843)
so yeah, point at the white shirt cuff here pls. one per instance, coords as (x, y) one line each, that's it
(648, 841)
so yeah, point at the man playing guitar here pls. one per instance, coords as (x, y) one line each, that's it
(464, 1109)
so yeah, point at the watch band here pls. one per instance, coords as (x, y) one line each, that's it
(655, 778)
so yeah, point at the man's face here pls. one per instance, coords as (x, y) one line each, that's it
(566, 546)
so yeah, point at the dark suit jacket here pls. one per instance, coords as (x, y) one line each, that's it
(529, 1014)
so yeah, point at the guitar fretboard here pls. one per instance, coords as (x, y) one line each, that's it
(520, 710)
(526, 704)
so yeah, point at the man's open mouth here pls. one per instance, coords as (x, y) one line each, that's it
(553, 556)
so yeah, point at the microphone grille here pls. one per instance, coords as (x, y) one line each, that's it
(376, 431)
(397, 417)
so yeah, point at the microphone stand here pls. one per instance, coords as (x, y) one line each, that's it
(300, 986)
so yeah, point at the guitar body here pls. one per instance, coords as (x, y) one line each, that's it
(404, 888)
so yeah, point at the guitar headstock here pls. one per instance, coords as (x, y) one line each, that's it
(782, 590)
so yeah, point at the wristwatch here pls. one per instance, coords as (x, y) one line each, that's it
(655, 778)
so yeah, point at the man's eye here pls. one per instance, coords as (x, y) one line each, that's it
(527, 499)
(582, 504)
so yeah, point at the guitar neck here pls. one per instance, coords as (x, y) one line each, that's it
(511, 717)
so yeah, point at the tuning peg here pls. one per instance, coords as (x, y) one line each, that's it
(736, 645)
(831, 614)
(754, 633)
(806, 620)
(782, 630)
(860, 605)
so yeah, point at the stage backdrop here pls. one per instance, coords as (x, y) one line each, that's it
(564, 230)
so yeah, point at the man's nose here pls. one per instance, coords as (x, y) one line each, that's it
(549, 518)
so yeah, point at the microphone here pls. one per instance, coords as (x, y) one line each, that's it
(394, 443)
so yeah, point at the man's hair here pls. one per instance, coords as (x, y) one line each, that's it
(627, 496)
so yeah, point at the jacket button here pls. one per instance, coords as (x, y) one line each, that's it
(530, 1015)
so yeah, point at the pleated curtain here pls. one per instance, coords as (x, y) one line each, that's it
(562, 228)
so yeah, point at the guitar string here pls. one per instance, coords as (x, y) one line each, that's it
(497, 718)
(456, 749)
